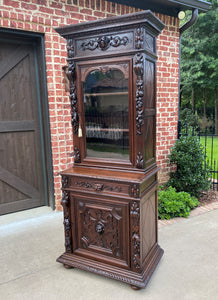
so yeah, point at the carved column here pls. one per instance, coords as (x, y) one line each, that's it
(139, 71)
(67, 223)
(135, 236)
(72, 79)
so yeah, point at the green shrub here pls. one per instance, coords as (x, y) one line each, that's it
(192, 172)
(175, 204)
(187, 117)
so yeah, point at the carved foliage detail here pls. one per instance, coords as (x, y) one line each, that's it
(70, 48)
(135, 191)
(99, 186)
(139, 38)
(139, 71)
(104, 42)
(76, 155)
(135, 242)
(67, 226)
(100, 228)
(139, 161)
(71, 75)
(64, 181)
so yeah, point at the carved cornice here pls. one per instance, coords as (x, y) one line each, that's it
(139, 71)
(135, 241)
(76, 155)
(104, 25)
(67, 224)
(104, 42)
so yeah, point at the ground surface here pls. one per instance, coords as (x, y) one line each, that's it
(208, 197)
(31, 241)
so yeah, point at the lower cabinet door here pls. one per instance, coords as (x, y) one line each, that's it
(102, 229)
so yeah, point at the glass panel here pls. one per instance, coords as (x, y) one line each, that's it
(107, 114)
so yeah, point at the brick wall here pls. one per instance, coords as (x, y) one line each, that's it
(167, 91)
(42, 16)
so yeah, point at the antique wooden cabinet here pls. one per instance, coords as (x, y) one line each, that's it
(110, 195)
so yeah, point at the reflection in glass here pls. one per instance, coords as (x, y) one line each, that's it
(107, 114)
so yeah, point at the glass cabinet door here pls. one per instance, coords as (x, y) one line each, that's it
(106, 106)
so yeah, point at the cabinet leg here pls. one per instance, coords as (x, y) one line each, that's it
(135, 288)
(68, 267)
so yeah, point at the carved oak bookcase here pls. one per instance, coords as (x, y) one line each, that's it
(110, 194)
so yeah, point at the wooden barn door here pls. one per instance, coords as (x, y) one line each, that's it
(21, 151)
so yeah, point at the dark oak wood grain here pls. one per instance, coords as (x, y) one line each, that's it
(110, 204)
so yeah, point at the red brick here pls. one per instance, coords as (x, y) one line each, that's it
(39, 2)
(103, 5)
(46, 10)
(5, 14)
(12, 3)
(89, 18)
(86, 11)
(71, 8)
(28, 6)
(92, 2)
(6, 23)
(99, 14)
(86, 3)
(56, 4)
(81, 3)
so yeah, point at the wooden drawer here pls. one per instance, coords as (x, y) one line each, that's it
(99, 186)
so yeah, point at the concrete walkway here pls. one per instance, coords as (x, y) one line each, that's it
(31, 241)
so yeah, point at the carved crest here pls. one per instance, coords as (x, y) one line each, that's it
(104, 42)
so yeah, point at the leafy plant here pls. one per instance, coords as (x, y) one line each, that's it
(175, 204)
(192, 172)
(188, 118)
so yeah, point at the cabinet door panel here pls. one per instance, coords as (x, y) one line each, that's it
(102, 229)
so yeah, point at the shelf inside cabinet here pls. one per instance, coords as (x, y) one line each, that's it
(106, 94)
(107, 129)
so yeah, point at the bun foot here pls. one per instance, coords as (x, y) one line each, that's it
(68, 267)
(135, 288)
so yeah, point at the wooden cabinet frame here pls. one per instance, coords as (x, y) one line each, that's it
(110, 205)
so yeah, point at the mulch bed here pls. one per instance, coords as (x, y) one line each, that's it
(207, 197)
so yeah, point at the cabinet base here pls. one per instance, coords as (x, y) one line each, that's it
(134, 279)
